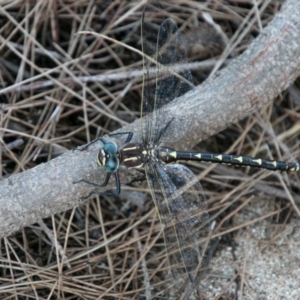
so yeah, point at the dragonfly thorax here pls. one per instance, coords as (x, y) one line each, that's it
(136, 155)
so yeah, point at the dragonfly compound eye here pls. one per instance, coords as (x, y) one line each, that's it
(112, 164)
(111, 148)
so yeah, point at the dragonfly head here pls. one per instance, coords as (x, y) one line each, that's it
(108, 157)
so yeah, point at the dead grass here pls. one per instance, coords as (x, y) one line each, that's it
(112, 248)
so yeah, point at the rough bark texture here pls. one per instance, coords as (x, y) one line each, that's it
(265, 69)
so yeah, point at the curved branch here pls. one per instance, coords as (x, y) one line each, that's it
(256, 77)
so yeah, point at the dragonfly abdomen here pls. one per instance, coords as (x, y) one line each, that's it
(166, 155)
(239, 161)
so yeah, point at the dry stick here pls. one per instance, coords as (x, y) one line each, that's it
(144, 266)
(262, 72)
(106, 77)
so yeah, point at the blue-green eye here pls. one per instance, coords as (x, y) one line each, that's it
(112, 164)
(110, 148)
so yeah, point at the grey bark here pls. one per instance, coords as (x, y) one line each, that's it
(263, 71)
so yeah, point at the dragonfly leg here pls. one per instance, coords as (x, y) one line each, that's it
(143, 178)
(118, 185)
(129, 137)
(129, 133)
(162, 131)
(89, 144)
(95, 184)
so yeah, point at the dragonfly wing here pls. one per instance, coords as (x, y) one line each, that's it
(166, 75)
(181, 205)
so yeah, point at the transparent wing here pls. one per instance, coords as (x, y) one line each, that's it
(181, 205)
(166, 75)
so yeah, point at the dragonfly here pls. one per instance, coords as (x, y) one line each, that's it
(175, 189)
